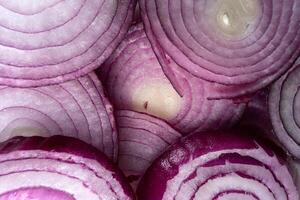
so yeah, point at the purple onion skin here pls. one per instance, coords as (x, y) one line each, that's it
(63, 144)
(154, 183)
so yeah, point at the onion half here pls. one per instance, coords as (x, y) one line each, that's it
(142, 139)
(76, 108)
(135, 81)
(58, 168)
(54, 41)
(241, 46)
(223, 166)
(284, 107)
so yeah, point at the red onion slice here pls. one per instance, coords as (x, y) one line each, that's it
(142, 139)
(283, 106)
(36, 49)
(241, 45)
(59, 168)
(76, 108)
(223, 166)
(134, 80)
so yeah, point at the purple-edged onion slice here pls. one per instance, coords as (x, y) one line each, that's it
(76, 108)
(135, 81)
(284, 105)
(240, 45)
(219, 166)
(46, 42)
(142, 139)
(58, 168)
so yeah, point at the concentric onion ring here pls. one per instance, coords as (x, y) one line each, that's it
(284, 107)
(76, 108)
(58, 168)
(53, 41)
(134, 80)
(142, 139)
(265, 46)
(218, 166)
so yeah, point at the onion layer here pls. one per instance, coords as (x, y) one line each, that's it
(223, 166)
(284, 107)
(241, 46)
(58, 168)
(134, 80)
(142, 139)
(53, 41)
(76, 108)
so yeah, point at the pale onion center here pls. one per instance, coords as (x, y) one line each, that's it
(235, 17)
(158, 99)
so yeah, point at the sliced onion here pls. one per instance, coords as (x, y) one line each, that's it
(223, 166)
(58, 168)
(134, 80)
(241, 46)
(53, 41)
(284, 106)
(76, 108)
(142, 139)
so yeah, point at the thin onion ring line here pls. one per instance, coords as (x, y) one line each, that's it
(113, 62)
(66, 42)
(188, 93)
(128, 46)
(45, 30)
(128, 123)
(15, 120)
(139, 142)
(236, 191)
(116, 78)
(77, 103)
(65, 76)
(255, 29)
(236, 172)
(67, 162)
(294, 108)
(146, 130)
(107, 116)
(95, 108)
(167, 126)
(81, 54)
(61, 106)
(224, 175)
(259, 24)
(47, 116)
(14, 11)
(281, 108)
(215, 155)
(191, 49)
(136, 156)
(54, 172)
